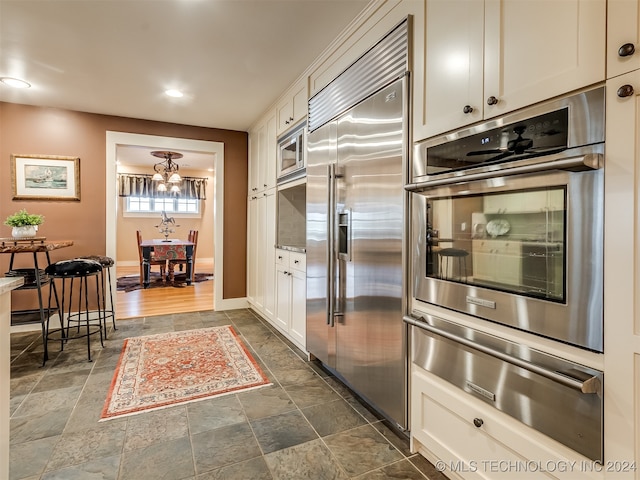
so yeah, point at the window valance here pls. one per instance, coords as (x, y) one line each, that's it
(139, 185)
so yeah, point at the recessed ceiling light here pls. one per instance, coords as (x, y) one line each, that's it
(14, 82)
(174, 93)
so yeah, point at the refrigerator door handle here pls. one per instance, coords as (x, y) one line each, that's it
(330, 244)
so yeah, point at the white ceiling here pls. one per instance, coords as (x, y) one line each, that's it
(232, 58)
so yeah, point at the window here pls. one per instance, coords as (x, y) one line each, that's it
(169, 205)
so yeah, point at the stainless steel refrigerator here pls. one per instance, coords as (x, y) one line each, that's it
(356, 203)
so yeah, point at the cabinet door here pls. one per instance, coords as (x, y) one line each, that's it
(254, 160)
(283, 293)
(538, 50)
(298, 307)
(252, 255)
(453, 66)
(261, 225)
(623, 37)
(271, 146)
(300, 101)
(621, 269)
(268, 236)
(284, 113)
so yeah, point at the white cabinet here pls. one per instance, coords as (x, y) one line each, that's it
(469, 439)
(261, 252)
(292, 108)
(483, 59)
(262, 154)
(498, 261)
(622, 272)
(291, 289)
(623, 37)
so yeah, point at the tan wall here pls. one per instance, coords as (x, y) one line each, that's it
(46, 131)
(126, 225)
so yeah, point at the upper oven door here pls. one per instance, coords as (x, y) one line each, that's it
(522, 250)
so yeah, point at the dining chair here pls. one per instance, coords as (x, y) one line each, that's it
(152, 261)
(193, 237)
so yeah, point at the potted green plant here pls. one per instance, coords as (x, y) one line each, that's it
(24, 224)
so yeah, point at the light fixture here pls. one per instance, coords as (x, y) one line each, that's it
(14, 82)
(173, 93)
(167, 171)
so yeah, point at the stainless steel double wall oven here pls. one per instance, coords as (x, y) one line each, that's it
(507, 226)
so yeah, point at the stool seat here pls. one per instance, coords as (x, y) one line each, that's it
(461, 255)
(101, 259)
(73, 268)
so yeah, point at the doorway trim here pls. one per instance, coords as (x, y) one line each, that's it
(153, 141)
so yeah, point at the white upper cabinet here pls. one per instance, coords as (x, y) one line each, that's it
(623, 37)
(483, 59)
(292, 108)
(262, 155)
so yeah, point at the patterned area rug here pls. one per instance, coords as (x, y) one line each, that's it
(132, 282)
(158, 371)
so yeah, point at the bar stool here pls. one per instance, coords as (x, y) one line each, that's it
(81, 269)
(107, 263)
(453, 253)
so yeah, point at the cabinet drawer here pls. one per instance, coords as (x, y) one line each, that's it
(298, 261)
(282, 257)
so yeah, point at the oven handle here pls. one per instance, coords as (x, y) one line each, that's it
(591, 385)
(591, 160)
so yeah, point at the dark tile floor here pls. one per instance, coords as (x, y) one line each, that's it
(306, 425)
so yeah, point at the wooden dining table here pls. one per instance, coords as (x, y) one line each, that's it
(169, 249)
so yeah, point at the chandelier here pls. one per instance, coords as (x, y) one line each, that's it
(167, 171)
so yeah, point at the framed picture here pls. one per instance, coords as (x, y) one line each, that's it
(45, 177)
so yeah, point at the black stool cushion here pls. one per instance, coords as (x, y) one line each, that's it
(101, 259)
(73, 268)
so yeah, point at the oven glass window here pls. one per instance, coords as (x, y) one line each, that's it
(512, 241)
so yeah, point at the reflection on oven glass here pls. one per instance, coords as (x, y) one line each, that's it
(512, 241)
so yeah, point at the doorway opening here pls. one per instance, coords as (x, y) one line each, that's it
(126, 147)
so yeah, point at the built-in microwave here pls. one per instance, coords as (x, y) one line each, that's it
(291, 164)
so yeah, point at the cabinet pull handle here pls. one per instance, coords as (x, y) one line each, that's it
(478, 422)
(625, 91)
(626, 50)
(492, 100)
(467, 109)
(296, 261)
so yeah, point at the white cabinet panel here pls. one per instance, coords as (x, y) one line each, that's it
(623, 37)
(483, 59)
(292, 108)
(291, 286)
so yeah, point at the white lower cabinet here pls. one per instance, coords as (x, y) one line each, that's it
(466, 439)
(261, 252)
(291, 293)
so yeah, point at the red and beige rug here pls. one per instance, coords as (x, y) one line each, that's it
(159, 371)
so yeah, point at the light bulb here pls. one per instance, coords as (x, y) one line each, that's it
(162, 187)
(175, 189)
(175, 178)
(157, 177)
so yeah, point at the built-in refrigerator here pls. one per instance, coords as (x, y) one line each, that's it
(355, 217)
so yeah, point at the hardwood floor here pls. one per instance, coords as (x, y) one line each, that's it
(163, 301)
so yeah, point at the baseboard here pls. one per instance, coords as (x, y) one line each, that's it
(231, 304)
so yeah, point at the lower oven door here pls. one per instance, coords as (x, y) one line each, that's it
(554, 396)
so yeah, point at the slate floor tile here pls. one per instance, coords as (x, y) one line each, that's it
(224, 446)
(310, 460)
(282, 431)
(170, 460)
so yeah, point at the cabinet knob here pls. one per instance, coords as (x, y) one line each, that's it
(279, 257)
(626, 50)
(478, 422)
(291, 119)
(296, 261)
(492, 100)
(625, 91)
(285, 272)
(467, 109)
(286, 122)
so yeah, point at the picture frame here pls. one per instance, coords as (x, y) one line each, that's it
(45, 177)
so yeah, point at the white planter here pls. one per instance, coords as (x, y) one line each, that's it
(26, 231)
